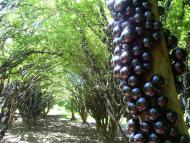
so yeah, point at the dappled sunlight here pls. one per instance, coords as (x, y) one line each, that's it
(54, 129)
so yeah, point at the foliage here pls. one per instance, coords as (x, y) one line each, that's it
(68, 44)
(34, 104)
(177, 18)
(29, 99)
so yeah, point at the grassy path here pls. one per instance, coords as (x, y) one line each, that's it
(54, 129)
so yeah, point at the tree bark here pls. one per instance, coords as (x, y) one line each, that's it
(162, 65)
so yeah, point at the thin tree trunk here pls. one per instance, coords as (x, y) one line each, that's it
(73, 118)
(162, 65)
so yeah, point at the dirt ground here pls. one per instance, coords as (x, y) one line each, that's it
(55, 129)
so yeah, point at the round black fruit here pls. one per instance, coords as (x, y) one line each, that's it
(120, 5)
(139, 138)
(149, 89)
(131, 125)
(132, 108)
(141, 104)
(124, 72)
(159, 127)
(153, 114)
(116, 71)
(157, 80)
(132, 80)
(162, 101)
(153, 138)
(172, 117)
(146, 56)
(135, 93)
(127, 34)
(138, 70)
(144, 126)
(126, 90)
(125, 57)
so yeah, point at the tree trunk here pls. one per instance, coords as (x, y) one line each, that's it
(83, 114)
(73, 118)
(162, 65)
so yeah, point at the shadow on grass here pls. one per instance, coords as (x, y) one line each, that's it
(55, 129)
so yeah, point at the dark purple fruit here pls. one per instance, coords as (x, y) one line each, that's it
(172, 41)
(138, 70)
(115, 60)
(146, 4)
(147, 66)
(126, 90)
(159, 127)
(117, 41)
(135, 62)
(149, 15)
(125, 57)
(153, 138)
(141, 104)
(128, 11)
(117, 31)
(172, 117)
(138, 18)
(157, 25)
(132, 137)
(120, 5)
(162, 101)
(127, 35)
(116, 71)
(146, 56)
(145, 127)
(132, 80)
(138, 10)
(117, 23)
(136, 2)
(156, 36)
(124, 24)
(148, 25)
(166, 33)
(110, 4)
(139, 138)
(126, 47)
(157, 80)
(153, 114)
(121, 16)
(124, 72)
(173, 132)
(114, 15)
(179, 67)
(131, 125)
(137, 50)
(149, 89)
(139, 30)
(135, 93)
(147, 42)
(117, 51)
(132, 108)
(179, 54)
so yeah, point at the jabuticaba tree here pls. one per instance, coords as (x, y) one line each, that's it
(146, 71)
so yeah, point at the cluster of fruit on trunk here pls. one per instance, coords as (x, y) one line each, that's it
(136, 32)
